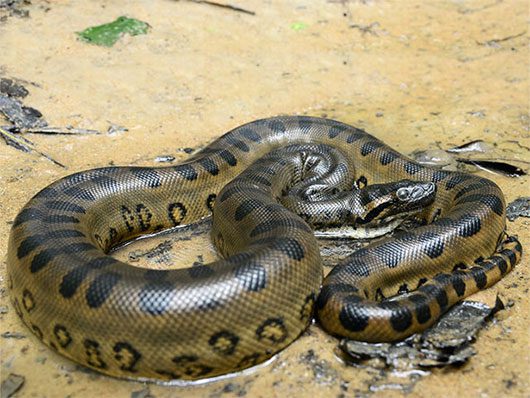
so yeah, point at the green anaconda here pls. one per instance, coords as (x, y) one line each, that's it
(212, 319)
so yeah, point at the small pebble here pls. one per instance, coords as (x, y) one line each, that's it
(13, 335)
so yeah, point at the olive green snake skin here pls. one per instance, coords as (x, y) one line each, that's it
(209, 320)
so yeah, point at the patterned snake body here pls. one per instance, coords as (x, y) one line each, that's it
(209, 320)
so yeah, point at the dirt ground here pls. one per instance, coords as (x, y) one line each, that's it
(419, 75)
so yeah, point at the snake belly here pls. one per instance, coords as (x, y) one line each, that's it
(205, 321)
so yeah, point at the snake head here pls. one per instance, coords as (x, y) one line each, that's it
(383, 203)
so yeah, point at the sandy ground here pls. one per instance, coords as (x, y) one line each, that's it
(416, 75)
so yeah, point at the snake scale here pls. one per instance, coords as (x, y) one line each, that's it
(208, 320)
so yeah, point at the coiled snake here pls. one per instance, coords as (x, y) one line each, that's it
(208, 320)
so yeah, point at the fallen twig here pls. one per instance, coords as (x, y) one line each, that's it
(366, 28)
(68, 130)
(24, 145)
(495, 42)
(221, 5)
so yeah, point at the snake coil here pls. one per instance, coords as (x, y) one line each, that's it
(208, 320)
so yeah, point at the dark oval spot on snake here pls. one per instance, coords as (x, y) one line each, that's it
(271, 225)
(200, 271)
(249, 360)
(289, 246)
(404, 288)
(305, 124)
(27, 214)
(101, 288)
(438, 293)
(224, 342)
(351, 138)
(93, 354)
(209, 165)
(191, 366)
(148, 176)
(106, 182)
(126, 355)
(400, 316)
(273, 330)
(62, 335)
(454, 279)
(388, 157)
(336, 130)
(412, 168)
(37, 331)
(458, 284)
(186, 171)
(455, 180)
(210, 201)
(361, 182)
(29, 244)
(307, 308)
(246, 207)
(370, 147)
(328, 291)
(28, 301)
(511, 256)
(500, 262)
(176, 213)
(228, 192)
(32, 242)
(479, 275)
(432, 244)
(228, 157)
(47, 193)
(144, 216)
(250, 134)
(42, 259)
(421, 307)
(352, 316)
(237, 143)
(439, 175)
(277, 126)
(72, 280)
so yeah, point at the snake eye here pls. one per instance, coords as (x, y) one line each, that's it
(402, 194)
